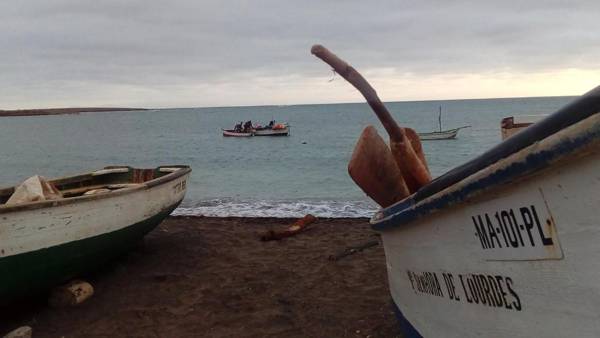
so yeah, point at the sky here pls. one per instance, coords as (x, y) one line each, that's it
(198, 53)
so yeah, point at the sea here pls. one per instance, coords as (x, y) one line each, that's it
(303, 173)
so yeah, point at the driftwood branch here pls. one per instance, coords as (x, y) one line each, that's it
(353, 250)
(299, 226)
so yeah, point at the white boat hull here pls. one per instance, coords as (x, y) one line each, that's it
(44, 243)
(440, 135)
(492, 256)
(229, 133)
(36, 229)
(272, 132)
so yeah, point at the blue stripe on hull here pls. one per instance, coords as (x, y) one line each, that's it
(408, 330)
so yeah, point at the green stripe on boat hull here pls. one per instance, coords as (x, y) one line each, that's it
(34, 272)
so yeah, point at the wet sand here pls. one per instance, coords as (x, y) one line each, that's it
(213, 277)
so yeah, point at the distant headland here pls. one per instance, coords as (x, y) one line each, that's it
(61, 111)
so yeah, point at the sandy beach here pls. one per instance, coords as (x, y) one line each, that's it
(213, 277)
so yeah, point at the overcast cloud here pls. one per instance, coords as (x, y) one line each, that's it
(206, 53)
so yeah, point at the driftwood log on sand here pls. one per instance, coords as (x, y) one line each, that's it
(404, 143)
(294, 229)
(70, 294)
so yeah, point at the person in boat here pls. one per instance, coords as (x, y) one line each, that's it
(238, 128)
(271, 123)
(248, 126)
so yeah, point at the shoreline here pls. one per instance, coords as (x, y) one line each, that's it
(61, 111)
(212, 276)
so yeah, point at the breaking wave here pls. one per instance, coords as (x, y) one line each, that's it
(278, 209)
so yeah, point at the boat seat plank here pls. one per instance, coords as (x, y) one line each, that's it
(82, 190)
(168, 169)
(110, 171)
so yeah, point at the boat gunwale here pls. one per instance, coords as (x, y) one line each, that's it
(184, 170)
(232, 133)
(272, 132)
(565, 143)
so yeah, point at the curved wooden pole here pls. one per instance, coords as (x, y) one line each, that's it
(406, 147)
(358, 81)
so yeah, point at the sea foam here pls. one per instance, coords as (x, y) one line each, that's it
(279, 209)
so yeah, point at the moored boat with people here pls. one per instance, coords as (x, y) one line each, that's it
(242, 129)
(272, 129)
(79, 222)
(248, 130)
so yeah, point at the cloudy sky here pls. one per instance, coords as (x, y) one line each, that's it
(192, 53)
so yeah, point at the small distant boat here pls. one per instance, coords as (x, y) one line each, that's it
(441, 134)
(514, 124)
(233, 133)
(277, 129)
(90, 219)
(272, 129)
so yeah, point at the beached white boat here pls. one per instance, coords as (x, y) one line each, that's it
(233, 133)
(514, 124)
(505, 245)
(99, 216)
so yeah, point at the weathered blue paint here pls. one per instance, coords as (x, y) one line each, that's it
(408, 210)
(408, 330)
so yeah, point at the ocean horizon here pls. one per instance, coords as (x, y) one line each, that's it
(254, 177)
(362, 102)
